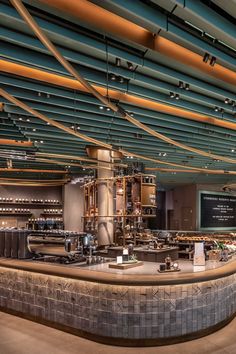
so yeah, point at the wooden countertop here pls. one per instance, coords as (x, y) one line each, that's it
(119, 279)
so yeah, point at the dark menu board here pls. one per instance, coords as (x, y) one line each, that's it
(218, 210)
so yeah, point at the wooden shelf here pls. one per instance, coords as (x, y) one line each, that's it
(33, 205)
(15, 214)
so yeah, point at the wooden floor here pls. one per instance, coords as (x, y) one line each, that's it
(19, 336)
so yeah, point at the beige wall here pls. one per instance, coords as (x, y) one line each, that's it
(73, 207)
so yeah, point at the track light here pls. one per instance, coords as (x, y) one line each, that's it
(213, 61)
(130, 65)
(227, 100)
(177, 96)
(216, 109)
(113, 77)
(187, 87)
(172, 95)
(206, 57)
(118, 62)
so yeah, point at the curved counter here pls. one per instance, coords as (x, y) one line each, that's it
(121, 309)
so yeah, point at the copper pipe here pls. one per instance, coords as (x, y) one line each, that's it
(45, 40)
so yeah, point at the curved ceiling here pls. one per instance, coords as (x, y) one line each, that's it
(145, 55)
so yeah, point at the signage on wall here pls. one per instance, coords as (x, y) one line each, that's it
(217, 210)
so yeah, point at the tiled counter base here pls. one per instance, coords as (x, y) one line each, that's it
(120, 314)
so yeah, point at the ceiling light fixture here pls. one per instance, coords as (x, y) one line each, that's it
(187, 87)
(101, 107)
(216, 109)
(121, 79)
(118, 62)
(177, 96)
(206, 57)
(172, 95)
(130, 65)
(113, 77)
(213, 61)
(181, 84)
(227, 100)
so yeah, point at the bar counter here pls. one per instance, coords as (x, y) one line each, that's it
(117, 307)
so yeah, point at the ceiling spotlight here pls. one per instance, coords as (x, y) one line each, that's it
(118, 62)
(187, 87)
(78, 128)
(181, 84)
(48, 96)
(83, 169)
(206, 57)
(48, 123)
(113, 77)
(39, 94)
(227, 100)
(101, 107)
(36, 141)
(41, 141)
(213, 61)
(20, 118)
(27, 120)
(232, 150)
(34, 130)
(177, 96)
(108, 109)
(172, 95)
(216, 109)
(131, 114)
(130, 65)
(121, 79)
(72, 127)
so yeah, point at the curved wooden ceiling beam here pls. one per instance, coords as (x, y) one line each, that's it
(16, 143)
(206, 171)
(109, 22)
(116, 108)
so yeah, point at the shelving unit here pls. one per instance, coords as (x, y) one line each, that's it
(30, 205)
